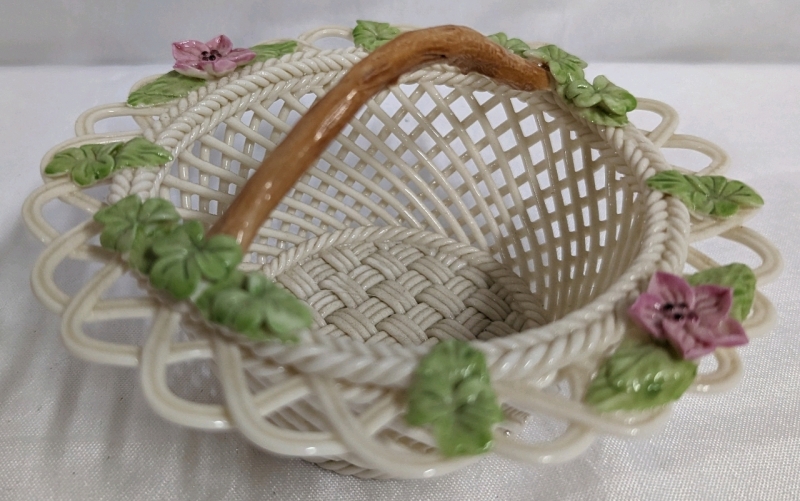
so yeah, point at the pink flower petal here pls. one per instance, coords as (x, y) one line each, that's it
(188, 51)
(713, 303)
(691, 339)
(731, 333)
(671, 288)
(191, 70)
(646, 313)
(222, 44)
(699, 350)
(693, 320)
(220, 67)
(241, 56)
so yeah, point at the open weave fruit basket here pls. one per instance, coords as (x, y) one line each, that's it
(451, 207)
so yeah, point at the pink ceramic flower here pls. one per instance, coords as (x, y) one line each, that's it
(212, 59)
(692, 319)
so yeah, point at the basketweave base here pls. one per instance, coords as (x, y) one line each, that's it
(410, 287)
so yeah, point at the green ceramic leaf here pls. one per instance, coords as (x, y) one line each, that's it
(93, 162)
(139, 152)
(601, 117)
(673, 182)
(713, 195)
(164, 89)
(265, 52)
(184, 256)
(97, 165)
(205, 301)
(639, 376)
(286, 314)
(129, 220)
(564, 66)
(86, 165)
(615, 99)
(217, 256)
(451, 391)
(581, 93)
(601, 102)
(63, 162)
(515, 45)
(255, 307)
(739, 278)
(141, 256)
(176, 274)
(370, 35)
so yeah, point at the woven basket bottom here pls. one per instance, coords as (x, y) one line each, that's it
(411, 291)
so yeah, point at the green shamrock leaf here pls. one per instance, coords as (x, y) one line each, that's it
(255, 307)
(141, 256)
(451, 391)
(184, 256)
(265, 52)
(712, 195)
(613, 98)
(639, 376)
(601, 102)
(563, 66)
(515, 45)
(86, 165)
(737, 277)
(581, 93)
(370, 34)
(139, 152)
(597, 115)
(130, 220)
(164, 89)
(93, 162)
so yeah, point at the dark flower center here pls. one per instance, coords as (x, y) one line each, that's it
(677, 311)
(212, 55)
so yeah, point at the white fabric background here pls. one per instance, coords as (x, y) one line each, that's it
(120, 32)
(73, 430)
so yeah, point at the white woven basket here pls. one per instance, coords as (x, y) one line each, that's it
(451, 207)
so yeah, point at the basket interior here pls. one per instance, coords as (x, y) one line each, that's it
(510, 174)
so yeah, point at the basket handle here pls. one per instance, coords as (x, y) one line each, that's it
(459, 46)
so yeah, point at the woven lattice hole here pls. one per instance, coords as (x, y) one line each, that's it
(195, 381)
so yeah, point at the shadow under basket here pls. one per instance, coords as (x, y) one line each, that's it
(450, 207)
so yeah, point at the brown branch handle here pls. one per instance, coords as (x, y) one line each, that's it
(459, 46)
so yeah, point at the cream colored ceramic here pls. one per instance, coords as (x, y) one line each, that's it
(450, 205)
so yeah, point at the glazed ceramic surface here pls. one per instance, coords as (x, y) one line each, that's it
(450, 208)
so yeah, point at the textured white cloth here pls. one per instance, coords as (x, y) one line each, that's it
(73, 430)
(113, 31)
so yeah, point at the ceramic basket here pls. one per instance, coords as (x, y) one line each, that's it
(450, 207)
